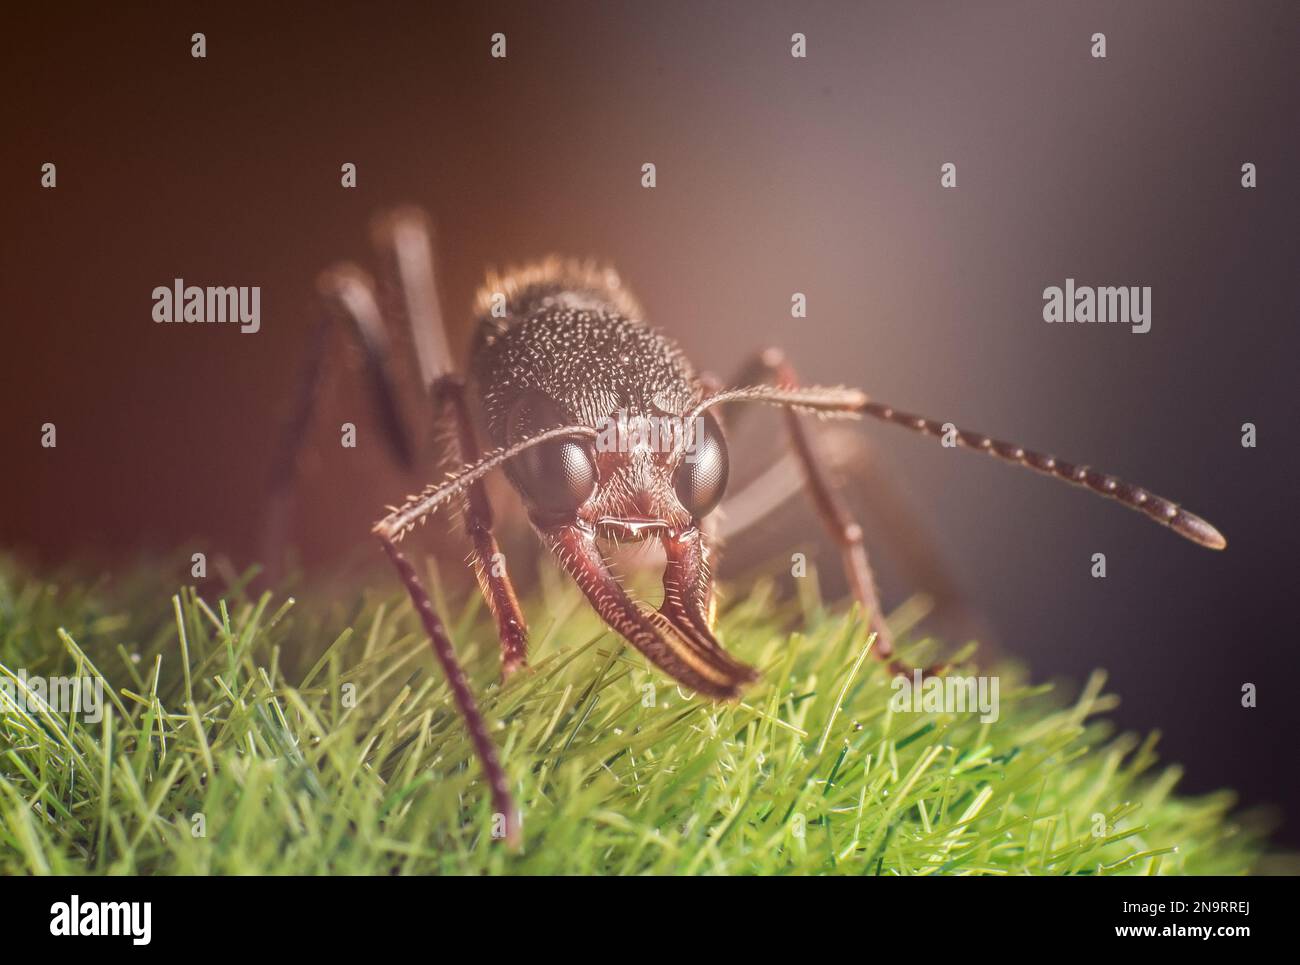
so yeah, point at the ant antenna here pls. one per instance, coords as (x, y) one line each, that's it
(839, 401)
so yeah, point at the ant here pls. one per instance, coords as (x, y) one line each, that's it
(560, 349)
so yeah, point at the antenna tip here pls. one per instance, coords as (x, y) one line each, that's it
(1199, 531)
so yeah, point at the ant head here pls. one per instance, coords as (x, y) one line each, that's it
(644, 473)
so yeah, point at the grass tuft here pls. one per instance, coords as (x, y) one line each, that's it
(259, 735)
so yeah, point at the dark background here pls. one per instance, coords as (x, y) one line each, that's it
(775, 175)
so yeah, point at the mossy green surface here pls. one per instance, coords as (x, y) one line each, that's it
(251, 734)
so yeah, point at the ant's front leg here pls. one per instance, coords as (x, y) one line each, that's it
(890, 523)
(489, 562)
(498, 783)
(404, 240)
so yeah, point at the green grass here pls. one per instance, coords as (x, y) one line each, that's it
(319, 737)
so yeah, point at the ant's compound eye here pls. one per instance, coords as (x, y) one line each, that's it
(556, 477)
(702, 477)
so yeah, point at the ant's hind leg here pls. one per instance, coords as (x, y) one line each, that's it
(404, 242)
(348, 299)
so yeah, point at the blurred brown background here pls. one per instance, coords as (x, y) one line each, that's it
(775, 175)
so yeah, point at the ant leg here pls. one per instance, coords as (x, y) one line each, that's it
(489, 562)
(348, 299)
(890, 520)
(403, 240)
(771, 365)
(502, 800)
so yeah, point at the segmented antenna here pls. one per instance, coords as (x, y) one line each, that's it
(1161, 510)
(839, 401)
(401, 519)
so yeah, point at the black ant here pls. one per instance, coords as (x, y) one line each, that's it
(561, 351)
